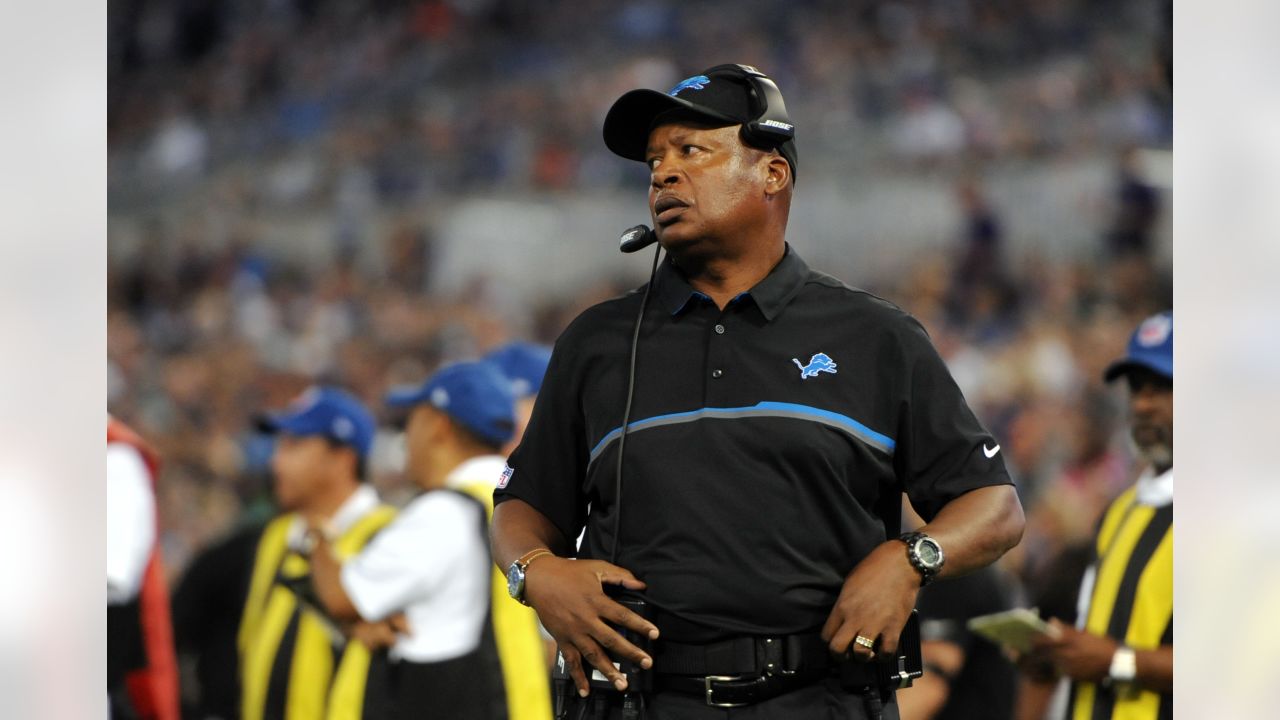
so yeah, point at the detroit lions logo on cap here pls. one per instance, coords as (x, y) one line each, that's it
(819, 363)
(697, 82)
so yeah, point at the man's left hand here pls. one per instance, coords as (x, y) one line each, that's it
(1077, 654)
(875, 602)
(384, 633)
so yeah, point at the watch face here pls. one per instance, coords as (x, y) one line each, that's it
(515, 581)
(929, 552)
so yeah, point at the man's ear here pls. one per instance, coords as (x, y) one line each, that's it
(779, 174)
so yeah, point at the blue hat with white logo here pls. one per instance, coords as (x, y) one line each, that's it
(524, 364)
(475, 394)
(326, 412)
(1150, 348)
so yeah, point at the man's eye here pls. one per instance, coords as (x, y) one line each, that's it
(652, 163)
(690, 149)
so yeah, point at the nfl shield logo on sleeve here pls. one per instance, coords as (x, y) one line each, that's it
(507, 472)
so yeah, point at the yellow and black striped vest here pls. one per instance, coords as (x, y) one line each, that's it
(525, 675)
(289, 655)
(1132, 602)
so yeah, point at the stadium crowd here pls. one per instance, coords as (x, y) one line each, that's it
(314, 102)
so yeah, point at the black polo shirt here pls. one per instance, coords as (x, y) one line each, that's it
(767, 448)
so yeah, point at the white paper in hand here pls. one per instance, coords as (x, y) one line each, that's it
(1013, 628)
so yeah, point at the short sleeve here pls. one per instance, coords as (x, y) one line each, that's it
(547, 469)
(408, 558)
(131, 522)
(942, 450)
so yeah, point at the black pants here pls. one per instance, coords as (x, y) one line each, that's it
(824, 700)
(465, 688)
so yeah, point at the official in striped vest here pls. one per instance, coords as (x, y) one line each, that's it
(432, 564)
(1120, 658)
(290, 651)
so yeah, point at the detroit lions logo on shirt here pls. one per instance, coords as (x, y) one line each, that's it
(819, 363)
(697, 82)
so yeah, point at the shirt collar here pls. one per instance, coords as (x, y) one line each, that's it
(1155, 490)
(472, 470)
(771, 294)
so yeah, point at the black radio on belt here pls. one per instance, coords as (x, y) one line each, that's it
(888, 672)
(638, 679)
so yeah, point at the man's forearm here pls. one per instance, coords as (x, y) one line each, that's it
(326, 578)
(976, 528)
(518, 528)
(1155, 669)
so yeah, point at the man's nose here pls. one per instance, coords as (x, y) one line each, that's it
(665, 174)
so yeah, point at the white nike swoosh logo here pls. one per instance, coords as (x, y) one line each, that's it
(990, 452)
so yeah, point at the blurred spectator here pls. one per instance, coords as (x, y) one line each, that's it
(1137, 207)
(1118, 655)
(142, 673)
(290, 653)
(524, 364)
(431, 566)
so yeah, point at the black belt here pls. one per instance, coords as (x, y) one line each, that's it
(749, 655)
(745, 670)
(735, 690)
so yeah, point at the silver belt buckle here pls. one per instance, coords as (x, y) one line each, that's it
(720, 678)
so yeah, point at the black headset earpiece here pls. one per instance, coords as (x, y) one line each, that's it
(772, 125)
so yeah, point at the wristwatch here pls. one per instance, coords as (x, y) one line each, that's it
(1124, 665)
(311, 538)
(925, 554)
(515, 573)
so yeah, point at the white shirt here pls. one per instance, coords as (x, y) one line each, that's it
(131, 522)
(432, 563)
(481, 469)
(1155, 490)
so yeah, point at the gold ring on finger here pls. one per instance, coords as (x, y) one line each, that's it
(865, 641)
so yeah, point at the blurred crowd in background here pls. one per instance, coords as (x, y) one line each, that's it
(372, 116)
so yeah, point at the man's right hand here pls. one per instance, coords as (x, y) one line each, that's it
(570, 600)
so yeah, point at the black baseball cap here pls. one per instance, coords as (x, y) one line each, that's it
(719, 96)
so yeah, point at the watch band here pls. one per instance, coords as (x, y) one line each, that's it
(1124, 665)
(528, 557)
(311, 538)
(927, 572)
(516, 573)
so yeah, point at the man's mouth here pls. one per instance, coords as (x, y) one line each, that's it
(667, 208)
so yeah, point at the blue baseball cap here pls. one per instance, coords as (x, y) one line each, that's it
(327, 412)
(524, 364)
(475, 394)
(1150, 348)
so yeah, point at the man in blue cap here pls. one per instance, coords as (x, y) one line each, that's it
(1120, 659)
(524, 364)
(287, 652)
(432, 563)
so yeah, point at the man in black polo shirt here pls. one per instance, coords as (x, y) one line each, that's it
(778, 416)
